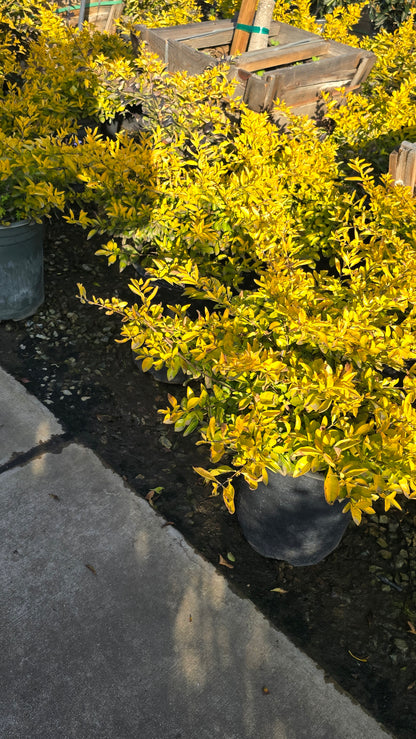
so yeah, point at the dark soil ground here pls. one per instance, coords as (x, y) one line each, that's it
(354, 613)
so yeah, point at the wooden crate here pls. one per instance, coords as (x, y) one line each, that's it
(101, 13)
(402, 165)
(296, 66)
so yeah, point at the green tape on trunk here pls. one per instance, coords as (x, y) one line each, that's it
(252, 29)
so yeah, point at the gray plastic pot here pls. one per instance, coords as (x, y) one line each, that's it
(21, 269)
(289, 519)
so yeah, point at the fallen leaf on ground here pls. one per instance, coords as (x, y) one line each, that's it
(412, 629)
(278, 590)
(412, 685)
(225, 563)
(150, 495)
(359, 659)
(231, 557)
(55, 497)
(91, 569)
(266, 691)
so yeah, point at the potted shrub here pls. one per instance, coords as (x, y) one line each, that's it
(308, 369)
(308, 373)
(56, 77)
(30, 175)
(53, 79)
(301, 360)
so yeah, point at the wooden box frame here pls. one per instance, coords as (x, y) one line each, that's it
(100, 13)
(290, 73)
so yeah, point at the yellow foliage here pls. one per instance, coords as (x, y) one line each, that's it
(155, 14)
(302, 355)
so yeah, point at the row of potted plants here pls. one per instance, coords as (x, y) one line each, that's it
(301, 358)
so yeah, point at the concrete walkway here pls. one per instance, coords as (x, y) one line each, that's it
(113, 627)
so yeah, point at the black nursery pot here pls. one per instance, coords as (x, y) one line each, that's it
(289, 519)
(162, 374)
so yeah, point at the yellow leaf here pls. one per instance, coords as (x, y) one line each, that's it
(331, 487)
(147, 364)
(82, 292)
(359, 659)
(356, 514)
(307, 450)
(204, 473)
(364, 428)
(228, 495)
(346, 444)
(192, 402)
(302, 466)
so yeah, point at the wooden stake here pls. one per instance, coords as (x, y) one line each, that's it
(245, 17)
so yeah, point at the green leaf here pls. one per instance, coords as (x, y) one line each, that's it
(192, 426)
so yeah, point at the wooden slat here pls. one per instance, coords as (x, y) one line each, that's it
(393, 163)
(192, 34)
(310, 109)
(269, 92)
(273, 57)
(402, 165)
(338, 49)
(156, 43)
(245, 17)
(360, 72)
(205, 41)
(410, 169)
(311, 93)
(288, 33)
(181, 57)
(102, 17)
(297, 95)
(257, 92)
(329, 69)
(188, 30)
(363, 70)
(110, 20)
(407, 145)
(240, 78)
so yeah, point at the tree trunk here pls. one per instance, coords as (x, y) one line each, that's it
(263, 19)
